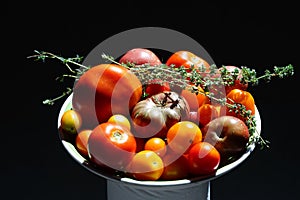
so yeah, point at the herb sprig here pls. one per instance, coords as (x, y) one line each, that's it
(183, 77)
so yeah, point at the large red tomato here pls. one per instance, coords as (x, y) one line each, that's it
(104, 90)
(111, 145)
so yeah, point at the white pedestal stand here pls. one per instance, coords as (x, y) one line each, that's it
(117, 190)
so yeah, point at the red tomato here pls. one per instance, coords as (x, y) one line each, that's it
(175, 167)
(237, 83)
(186, 59)
(111, 145)
(206, 113)
(203, 159)
(140, 56)
(104, 90)
(156, 86)
(242, 97)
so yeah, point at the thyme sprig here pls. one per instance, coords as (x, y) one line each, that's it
(190, 79)
(75, 73)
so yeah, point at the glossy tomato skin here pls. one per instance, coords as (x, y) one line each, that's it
(182, 136)
(71, 122)
(140, 56)
(146, 165)
(203, 159)
(186, 59)
(111, 145)
(206, 113)
(104, 90)
(242, 97)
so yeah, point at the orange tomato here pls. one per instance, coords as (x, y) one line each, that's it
(146, 165)
(194, 100)
(182, 135)
(156, 144)
(242, 97)
(121, 120)
(207, 112)
(81, 141)
(71, 121)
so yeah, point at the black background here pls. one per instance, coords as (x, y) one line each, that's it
(34, 164)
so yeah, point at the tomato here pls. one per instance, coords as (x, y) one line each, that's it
(111, 145)
(235, 72)
(186, 59)
(81, 141)
(140, 56)
(121, 120)
(242, 97)
(71, 121)
(228, 134)
(153, 116)
(203, 159)
(175, 167)
(146, 165)
(182, 135)
(206, 113)
(157, 145)
(155, 87)
(104, 90)
(194, 100)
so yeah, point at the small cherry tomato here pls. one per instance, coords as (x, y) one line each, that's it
(81, 141)
(206, 113)
(71, 121)
(157, 145)
(182, 135)
(241, 97)
(203, 159)
(146, 165)
(111, 145)
(121, 120)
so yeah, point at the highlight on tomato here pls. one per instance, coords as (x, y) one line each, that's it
(146, 165)
(203, 159)
(182, 135)
(104, 90)
(186, 59)
(240, 97)
(111, 145)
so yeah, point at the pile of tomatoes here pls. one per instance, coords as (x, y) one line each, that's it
(151, 131)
